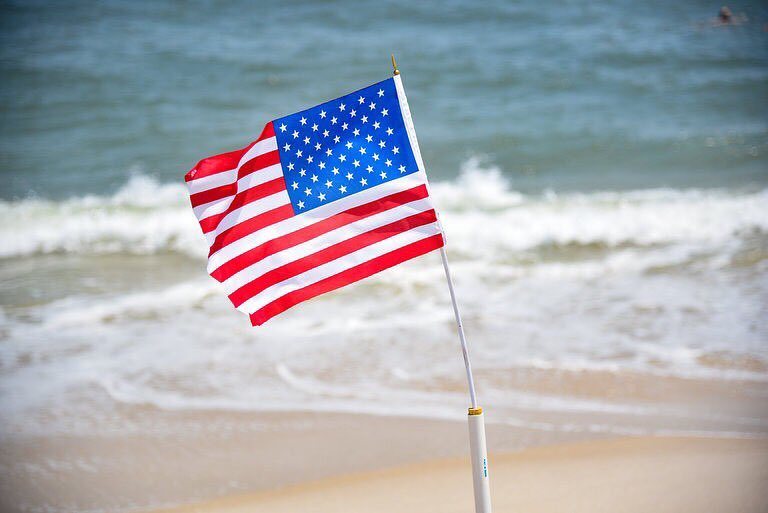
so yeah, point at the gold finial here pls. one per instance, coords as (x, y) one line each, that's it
(394, 66)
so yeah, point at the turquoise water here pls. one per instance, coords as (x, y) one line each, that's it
(565, 96)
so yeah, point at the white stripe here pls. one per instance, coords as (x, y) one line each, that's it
(324, 241)
(212, 208)
(259, 177)
(257, 149)
(251, 210)
(226, 177)
(292, 224)
(256, 178)
(337, 266)
(211, 181)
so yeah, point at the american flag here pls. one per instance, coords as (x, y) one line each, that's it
(323, 198)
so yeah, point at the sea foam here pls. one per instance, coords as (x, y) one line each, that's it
(479, 210)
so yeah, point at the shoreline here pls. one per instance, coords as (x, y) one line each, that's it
(631, 474)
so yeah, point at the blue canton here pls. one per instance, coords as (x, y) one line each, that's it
(344, 146)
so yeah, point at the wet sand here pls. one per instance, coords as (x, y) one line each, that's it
(615, 475)
(143, 458)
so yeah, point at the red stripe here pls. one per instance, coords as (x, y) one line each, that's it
(259, 162)
(201, 198)
(351, 215)
(243, 198)
(329, 254)
(346, 277)
(255, 164)
(225, 161)
(251, 225)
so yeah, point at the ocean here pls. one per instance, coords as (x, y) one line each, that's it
(601, 171)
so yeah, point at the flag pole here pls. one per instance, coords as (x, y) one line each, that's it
(477, 446)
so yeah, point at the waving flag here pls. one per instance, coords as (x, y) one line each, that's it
(323, 198)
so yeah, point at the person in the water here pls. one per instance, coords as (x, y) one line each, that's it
(726, 17)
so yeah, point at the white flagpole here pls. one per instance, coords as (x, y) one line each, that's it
(477, 449)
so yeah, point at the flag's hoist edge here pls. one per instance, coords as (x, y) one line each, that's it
(270, 258)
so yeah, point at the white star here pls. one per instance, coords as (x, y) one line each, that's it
(401, 168)
(349, 145)
(295, 185)
(375, 156)
(328, 183)
(314, 178)
(376, 125)
(335, 170)
(321, 196)
(382, 144)
(343, 158)
(317, 147)
(356, 163)
(395, 150)
(388, 163)
(326, 133)
(283, 128)
(361, 100)
(352, 113)
(290, 166)
(328, 152)
(314, 127)
(303, 120)
(333, 120)
(369, 169)
(389, 131)
(287, 147)
(301, 204)
(337, 139)
(383, 175)
(295, 134)
(349, 175)
(356, 132)
(310, 159)
(322, 114)
(384, 112)
(308, 191)
(381, 93)
(344, 126)
(303, 172)
(363, 182)
(364, 119)
(342, 106)
(372, 105)
(299, 153)
(306, 140)
(369, 138)
(343, 189)
(362, 150)
(322, 165)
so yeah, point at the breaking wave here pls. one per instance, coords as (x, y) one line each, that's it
(479, 210)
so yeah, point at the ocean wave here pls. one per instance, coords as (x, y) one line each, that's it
(479, 209)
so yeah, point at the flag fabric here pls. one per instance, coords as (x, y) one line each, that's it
(323, 198)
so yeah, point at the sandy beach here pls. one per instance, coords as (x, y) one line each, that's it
(142, 458)
(615, 475)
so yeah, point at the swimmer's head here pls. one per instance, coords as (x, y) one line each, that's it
(725, 14)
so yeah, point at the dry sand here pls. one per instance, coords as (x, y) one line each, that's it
(617, 475)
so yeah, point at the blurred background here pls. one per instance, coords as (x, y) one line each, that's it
(602, 173)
